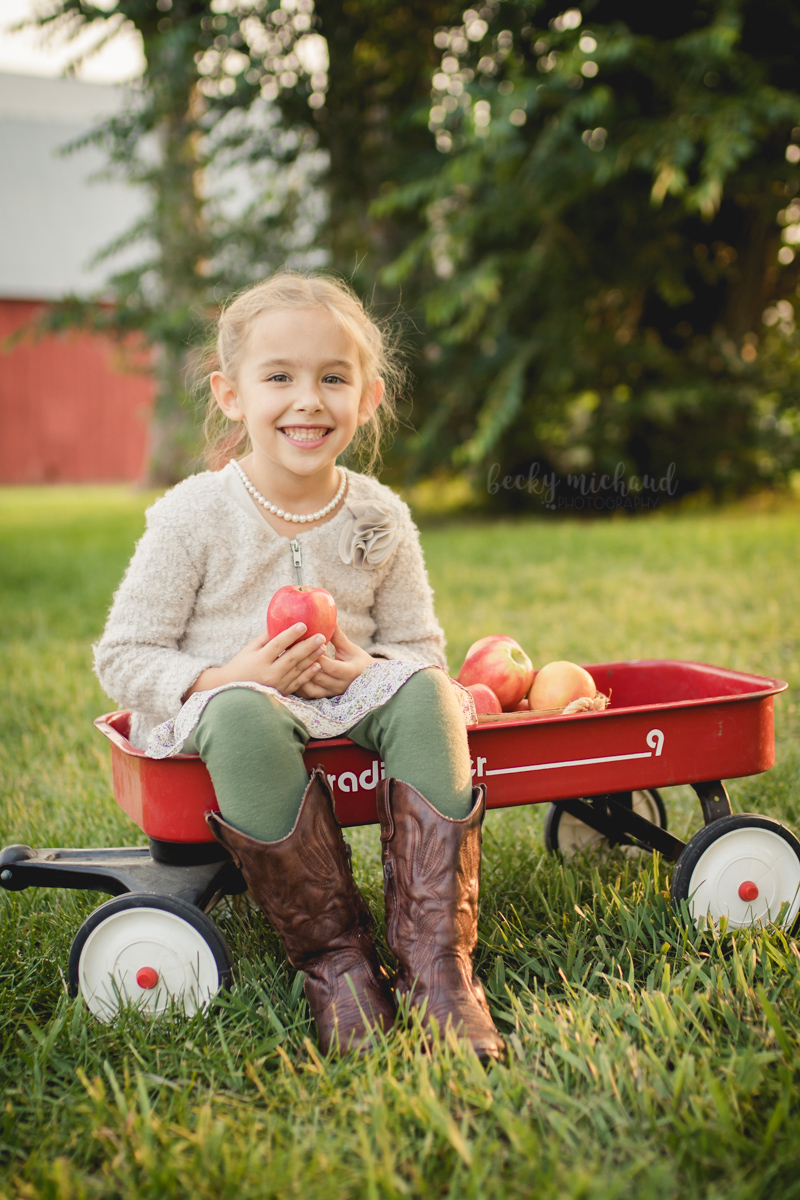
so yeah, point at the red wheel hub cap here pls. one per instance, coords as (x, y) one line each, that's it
(147, 977)
(748, 890)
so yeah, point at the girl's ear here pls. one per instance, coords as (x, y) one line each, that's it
(370, 401)
(225, 395)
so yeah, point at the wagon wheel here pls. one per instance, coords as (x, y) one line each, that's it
(148, 951)
(745, 868)
(568, 835)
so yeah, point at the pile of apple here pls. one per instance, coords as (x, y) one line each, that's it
(501, 678)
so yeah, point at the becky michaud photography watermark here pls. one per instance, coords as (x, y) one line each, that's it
(587, 493)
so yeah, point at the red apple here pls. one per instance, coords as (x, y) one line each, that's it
(557, 684)
(485, 699)
(501, 664)
(315, 607)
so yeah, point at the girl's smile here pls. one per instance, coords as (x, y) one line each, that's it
(307, 436)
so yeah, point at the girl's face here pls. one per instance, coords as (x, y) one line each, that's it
(300, 391)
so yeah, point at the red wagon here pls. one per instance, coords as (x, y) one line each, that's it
(669, 723)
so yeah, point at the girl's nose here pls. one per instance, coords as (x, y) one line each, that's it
(308, 400)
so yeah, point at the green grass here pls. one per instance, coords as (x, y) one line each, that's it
(645, 1059)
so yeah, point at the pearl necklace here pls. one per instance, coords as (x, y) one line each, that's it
(287, 516)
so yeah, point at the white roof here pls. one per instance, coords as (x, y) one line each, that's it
(53, 220)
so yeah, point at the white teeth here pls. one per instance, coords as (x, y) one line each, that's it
(304, 435)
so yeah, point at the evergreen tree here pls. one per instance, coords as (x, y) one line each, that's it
(607, 271)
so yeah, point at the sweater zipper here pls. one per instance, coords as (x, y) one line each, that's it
(297, 561)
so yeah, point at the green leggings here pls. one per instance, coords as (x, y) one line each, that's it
(253, 748)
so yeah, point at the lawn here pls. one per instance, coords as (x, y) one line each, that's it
(645, 1059)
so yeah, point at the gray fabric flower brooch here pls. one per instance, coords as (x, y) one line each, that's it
(369, 539)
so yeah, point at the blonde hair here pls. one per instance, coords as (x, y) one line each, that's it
(379, 355)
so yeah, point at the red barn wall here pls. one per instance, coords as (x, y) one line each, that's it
(69, 412)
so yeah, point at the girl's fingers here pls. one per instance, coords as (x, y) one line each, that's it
(283, 641)
(324, 664)
(336, 671)
(260, 642)
(305, 653)
(305, 648)
(289, 636)
(295, 675)
(339, 641)
(325, 684)
(303, 680)
(311, 690)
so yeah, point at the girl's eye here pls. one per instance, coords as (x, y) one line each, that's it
(278, 377)
(333, 379)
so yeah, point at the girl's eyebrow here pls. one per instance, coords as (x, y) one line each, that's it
(270, 364)
(282, 363)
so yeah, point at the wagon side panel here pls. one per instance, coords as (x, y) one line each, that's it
(530, 764)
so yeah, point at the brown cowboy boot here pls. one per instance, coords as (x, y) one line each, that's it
(431, 869)
(304, 884)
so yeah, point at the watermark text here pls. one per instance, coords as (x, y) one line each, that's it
(587, 492)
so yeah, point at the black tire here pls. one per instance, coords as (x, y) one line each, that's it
(211, 961)
(563, 832)
(721, 859)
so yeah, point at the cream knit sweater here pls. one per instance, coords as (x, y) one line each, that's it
(197, 588)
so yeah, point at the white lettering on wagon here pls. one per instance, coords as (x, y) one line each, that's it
(367, 781)
(655, 738)
(369, 778)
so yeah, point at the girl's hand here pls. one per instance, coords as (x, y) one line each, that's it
(336, 674)
(275, 663)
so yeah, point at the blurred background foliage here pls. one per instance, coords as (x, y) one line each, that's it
(588, 215)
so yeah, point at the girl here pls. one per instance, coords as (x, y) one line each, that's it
(301, 373)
